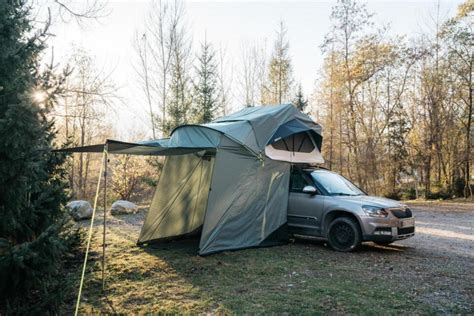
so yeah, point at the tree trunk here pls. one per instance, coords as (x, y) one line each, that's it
(427, 175)
(467, 180)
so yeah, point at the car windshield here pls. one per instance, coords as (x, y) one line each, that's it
(335, 184)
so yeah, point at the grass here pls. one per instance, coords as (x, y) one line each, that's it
(299, 278)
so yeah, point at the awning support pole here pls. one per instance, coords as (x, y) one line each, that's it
(106, 159)
(89, 237)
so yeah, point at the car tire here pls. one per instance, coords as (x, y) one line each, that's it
(344, 234)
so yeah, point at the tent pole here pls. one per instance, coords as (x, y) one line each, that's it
(89, 237)
(106, 158)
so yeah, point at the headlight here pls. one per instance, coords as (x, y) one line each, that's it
(374, 211)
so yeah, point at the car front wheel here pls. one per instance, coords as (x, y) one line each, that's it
(344, 234)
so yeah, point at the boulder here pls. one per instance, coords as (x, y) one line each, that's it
(123, 207)
(80, 210)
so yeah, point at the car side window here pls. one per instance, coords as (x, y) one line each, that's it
(297, 182)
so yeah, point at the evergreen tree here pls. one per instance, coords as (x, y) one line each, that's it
(180, 98)
(398, 129)
(180, 88)
(300, 102)
(206, 87)
(32, 180)
(278, 87)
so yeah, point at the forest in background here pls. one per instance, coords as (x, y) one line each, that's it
(396, 110)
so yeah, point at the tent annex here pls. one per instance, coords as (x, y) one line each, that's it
(227, 179)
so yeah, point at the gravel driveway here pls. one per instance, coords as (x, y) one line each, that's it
(444, 229)
(439, 260)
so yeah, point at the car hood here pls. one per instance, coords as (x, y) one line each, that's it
(370, 200)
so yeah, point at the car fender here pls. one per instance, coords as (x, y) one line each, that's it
(330, 215)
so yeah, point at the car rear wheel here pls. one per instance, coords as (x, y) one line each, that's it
(344, 234)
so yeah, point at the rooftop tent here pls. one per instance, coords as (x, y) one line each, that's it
(227, 179)
(295, 142)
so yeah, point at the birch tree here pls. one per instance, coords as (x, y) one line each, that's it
(155, 48)
(252, 73)
(89, 96)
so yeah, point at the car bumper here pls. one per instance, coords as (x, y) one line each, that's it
(387, 229)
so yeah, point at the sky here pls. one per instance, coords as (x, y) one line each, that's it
(228, 24)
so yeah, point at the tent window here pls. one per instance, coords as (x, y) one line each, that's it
(300, 142)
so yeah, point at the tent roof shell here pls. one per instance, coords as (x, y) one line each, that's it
(266, 120)
(252, 127)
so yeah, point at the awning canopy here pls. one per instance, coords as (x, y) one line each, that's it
(147, 148)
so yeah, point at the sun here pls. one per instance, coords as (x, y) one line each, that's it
(39, 96)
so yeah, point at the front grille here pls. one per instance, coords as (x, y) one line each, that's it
(406, 230)
(401, 213)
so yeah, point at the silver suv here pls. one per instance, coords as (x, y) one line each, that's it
(325, 204)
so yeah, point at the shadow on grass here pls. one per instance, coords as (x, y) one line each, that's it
(365, 247)
(186, 246)
(301, 277)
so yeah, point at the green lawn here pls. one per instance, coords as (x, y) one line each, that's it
(299, 278)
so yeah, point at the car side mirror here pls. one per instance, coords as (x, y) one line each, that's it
(309, 189)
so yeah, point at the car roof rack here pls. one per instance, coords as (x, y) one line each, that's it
(302, 166)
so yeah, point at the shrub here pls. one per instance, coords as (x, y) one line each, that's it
(408, 194)
(458, 187)
(394, 195)
(439, 193)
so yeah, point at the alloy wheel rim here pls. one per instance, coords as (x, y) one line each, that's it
(344, 234)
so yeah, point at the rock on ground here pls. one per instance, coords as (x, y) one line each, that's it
(123, 207)
(80, 210)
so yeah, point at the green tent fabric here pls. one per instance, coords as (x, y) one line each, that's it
(247, 203)
(227, 180)
(179, 206)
